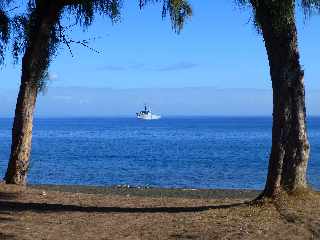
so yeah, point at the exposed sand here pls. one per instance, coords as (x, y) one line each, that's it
(66, 212)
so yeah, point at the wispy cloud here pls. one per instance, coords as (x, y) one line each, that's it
(140, 66)
(61, 97)
(176, 67)
(112, 68)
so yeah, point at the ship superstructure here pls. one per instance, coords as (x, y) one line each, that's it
(146, 114)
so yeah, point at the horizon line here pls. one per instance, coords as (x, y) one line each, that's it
(163, 116)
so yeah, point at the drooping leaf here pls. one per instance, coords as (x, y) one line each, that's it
(178, 10)
(4, 34)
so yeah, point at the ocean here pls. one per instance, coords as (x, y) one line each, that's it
(174, 152)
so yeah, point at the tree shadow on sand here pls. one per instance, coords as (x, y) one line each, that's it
(4, 236)
(8, 195)
(49, 207)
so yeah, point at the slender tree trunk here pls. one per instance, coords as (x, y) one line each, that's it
(34, 65)
(290, 146)
(22, 134)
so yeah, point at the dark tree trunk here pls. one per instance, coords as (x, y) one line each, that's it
(34, 65)
(290, 146)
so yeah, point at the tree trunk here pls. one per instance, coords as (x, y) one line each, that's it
(290, 146)
(22, 134)
(34, 65)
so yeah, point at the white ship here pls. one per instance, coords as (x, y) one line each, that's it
(147, 114)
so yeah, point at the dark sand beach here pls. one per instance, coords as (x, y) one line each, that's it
(82, 212)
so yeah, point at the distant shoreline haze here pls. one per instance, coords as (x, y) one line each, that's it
(169, 102)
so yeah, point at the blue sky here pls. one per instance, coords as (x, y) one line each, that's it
(218, 49)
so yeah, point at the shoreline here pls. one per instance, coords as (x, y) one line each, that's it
(151, 191)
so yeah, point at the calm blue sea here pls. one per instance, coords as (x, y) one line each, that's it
(185, 152)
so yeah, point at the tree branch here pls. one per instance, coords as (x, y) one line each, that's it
(68, 41)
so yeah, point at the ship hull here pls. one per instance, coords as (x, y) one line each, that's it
(149, 117)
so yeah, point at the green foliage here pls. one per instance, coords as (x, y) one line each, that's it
(4, 28)
(4, 34)
(178, 10)
(19, 35)
(310, 6)
(85, 10)
(7, 26)
(30, 25)
(248, 3)
(22, 26)
(280, 11)
(25, 28)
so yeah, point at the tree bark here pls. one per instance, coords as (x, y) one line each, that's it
(290, 147)
(21, 134)
(34, 63)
